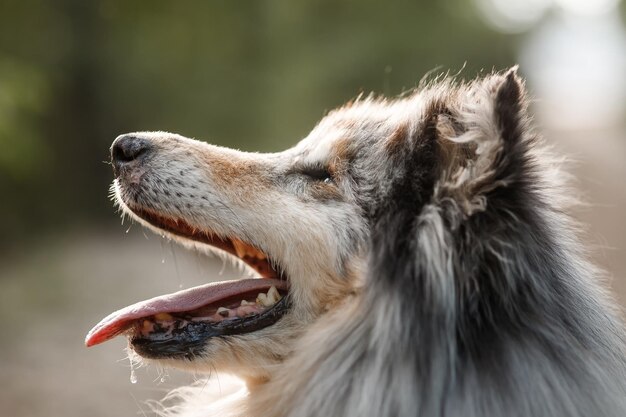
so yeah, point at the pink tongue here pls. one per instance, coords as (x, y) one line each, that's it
(186, 300)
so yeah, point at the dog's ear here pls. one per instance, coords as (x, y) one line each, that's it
(470, 143)
(484, 143)
(509, 107)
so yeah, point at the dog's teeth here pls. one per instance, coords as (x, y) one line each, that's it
(273, 295)
(269, 299)
(263, 300)
(246, 303)
(240, 248)
(163, 317)
(147, 326)
(253, 252)
(224, 312)
(244, 250)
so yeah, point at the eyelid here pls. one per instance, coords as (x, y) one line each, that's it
(317, 172)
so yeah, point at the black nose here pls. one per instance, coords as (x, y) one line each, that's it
(127, 148)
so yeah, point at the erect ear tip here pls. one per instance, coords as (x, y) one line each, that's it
(510, 105)
(512, 72)
(510, 92)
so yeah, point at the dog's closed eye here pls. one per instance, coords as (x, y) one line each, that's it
(318, 173)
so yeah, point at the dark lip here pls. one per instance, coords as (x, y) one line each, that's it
(190, 340)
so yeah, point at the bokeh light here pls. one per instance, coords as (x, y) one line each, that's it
(257, 76)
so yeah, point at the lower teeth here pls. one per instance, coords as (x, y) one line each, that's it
(245, 309)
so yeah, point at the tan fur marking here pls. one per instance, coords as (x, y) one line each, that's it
(453, 155)
(341, 155)
(341, 149)
(231, 172)
(396, 142)
(323, 191)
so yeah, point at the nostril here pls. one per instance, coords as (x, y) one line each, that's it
(127, 148)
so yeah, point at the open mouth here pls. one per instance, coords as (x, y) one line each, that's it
(179, 324)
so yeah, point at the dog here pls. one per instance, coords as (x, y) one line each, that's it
(409, 257)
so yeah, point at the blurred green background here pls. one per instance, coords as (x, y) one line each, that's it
(254, 75)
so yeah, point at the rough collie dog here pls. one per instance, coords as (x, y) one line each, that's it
(410, 257)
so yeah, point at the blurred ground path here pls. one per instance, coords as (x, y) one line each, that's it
(50, 298)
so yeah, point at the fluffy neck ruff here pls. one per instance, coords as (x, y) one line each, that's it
(480, 305)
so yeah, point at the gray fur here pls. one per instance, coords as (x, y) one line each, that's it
(489, 307)
(436, 275)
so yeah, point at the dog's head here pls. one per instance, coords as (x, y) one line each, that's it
(299, 220)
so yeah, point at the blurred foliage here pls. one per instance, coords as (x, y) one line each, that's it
(247, 74)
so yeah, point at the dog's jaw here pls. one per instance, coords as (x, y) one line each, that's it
(302, 207)
(233, 195)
